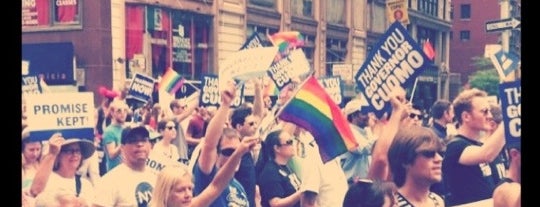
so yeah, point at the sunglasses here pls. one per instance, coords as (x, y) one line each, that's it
(288, 142)
(413, 115)
(227, 151)
(71, 151)
(252, 123)
(430, 153)
(170, 127)
(485, 111)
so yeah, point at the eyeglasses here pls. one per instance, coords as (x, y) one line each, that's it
(170, 127)
(71, 151)
(413, 115)
(430, 153)
(227, 151)
(288, 142)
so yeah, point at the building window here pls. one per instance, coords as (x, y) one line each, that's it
(335, 11)
(451, 12)
(428, 6)
(336, 52)
(465, 11)
(264, 3)
(451, 35)
(465, 35)
(51, 15)
(302, 8)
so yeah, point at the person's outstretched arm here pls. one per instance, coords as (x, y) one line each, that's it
(208, 156)
(225, 174)
(46, 165)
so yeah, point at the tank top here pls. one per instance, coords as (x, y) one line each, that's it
(403, 202)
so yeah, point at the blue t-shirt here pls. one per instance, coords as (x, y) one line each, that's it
(112, 134)
(233, 195)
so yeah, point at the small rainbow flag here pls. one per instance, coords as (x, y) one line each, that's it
(171, 81)
(314, 110)
(428, 50)
(286, 40)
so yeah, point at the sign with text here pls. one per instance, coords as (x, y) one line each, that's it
(30, 84)
(333, 87)
(502, 24)
(246, 64)
(396, 60)
(141, 88)
(71, 114)
(510, 93)
(210, 92)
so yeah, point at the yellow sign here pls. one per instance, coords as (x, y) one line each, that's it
(397, 10)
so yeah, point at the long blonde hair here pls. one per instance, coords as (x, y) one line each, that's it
(165, 182)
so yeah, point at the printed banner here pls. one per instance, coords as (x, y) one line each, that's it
(141, 88)
(72, 114)
(210, 92)
(396, 60)
(333, 87)
(397, 11)
(510, 93)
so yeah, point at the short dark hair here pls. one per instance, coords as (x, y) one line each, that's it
(239, 115)
(439, 107)
(368, 194)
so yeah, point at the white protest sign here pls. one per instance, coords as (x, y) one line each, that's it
(246, 64)
(72, 114)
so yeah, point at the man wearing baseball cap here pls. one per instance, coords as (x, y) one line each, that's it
(130, 183)
(355, 163)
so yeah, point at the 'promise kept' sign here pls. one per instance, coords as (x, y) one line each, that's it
(71, 114)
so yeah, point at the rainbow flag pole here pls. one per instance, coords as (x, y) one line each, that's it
(171, 81)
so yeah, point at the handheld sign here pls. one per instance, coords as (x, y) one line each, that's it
(246, 64)
(510, 93)
(71, 114)
(30, 84)
(333, 87)
(396, 60)
(210, 92)
(254, 41)
(141, 88)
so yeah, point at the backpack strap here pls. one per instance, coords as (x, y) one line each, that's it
(77, 185)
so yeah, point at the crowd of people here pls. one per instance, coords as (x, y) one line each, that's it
(191, 155)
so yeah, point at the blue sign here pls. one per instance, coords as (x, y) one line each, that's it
(510, 93)
(53, 61)
(396, 60)
(505, 62)
(141, 88)
(210, 92)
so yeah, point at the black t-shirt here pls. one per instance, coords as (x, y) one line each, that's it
(276, 181)
(246, 176)
(465, 183)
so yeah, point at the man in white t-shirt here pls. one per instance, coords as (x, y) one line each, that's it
(130, 183)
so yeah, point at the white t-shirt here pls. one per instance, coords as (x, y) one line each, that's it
(160, 157)
(125, 187)
(330, 190)
(57, 183)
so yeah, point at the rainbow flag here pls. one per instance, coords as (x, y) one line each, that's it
(428, 50)
(171, 81)
(314, 110)
(286, 40)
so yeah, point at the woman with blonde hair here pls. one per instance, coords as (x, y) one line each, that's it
(174, 184)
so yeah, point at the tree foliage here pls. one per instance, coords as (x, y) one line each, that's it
(485, 77)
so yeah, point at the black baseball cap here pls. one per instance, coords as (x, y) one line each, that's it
(130, 134)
